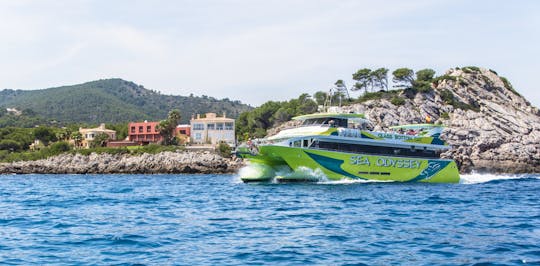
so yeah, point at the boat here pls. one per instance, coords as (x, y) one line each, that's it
(337, 146)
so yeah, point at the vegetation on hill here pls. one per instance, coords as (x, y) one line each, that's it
(254, 123)
(373, 85)
(26, 118)
(106, 101)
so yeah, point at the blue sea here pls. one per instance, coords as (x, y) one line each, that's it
(217, 220)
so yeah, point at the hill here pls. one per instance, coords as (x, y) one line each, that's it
(111, 101)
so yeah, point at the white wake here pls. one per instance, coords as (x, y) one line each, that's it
(476, 178)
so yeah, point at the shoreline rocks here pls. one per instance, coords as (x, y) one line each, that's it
(187, 162)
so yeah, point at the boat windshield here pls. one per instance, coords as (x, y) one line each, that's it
(326, 121)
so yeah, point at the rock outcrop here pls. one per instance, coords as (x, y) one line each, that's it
(164, 162)
(490, 126)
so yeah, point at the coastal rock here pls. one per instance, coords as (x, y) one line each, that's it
(164, 162)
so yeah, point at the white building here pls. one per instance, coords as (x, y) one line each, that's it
(212, 129)
(89, 134)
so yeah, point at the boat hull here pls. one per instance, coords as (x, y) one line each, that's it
(335, 165)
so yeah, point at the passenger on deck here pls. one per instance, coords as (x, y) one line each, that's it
(411, 132)
(332, 123)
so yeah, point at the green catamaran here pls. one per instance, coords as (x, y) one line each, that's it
(339, 146)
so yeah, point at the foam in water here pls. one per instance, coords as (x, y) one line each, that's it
(303, 172)
(252, 170)
(476, 178)
(258, 170)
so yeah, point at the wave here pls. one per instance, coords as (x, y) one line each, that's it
(477, 178)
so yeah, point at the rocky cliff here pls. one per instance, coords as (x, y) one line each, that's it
(490, 126)
(164, 162)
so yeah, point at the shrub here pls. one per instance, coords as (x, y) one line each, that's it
(509, 86)
(10, 145)
(224, 149)
(445, 115)
(377, 95)
(422, 86)
(447, 96)
(397, 101)
(444, 77)
(471, 69)
(59, 147)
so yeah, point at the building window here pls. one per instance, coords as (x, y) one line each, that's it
(198, 126)
(219, 126)
(148, 128)
(183, 132)
(132, 129)
(198, 136)
(229, 126)
(211, 126)
(140, 129)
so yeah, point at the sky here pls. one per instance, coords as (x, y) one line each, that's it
(255, 51)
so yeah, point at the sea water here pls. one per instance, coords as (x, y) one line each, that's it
(218, 220)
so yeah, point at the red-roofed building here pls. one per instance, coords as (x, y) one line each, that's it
(182, 133)
(183, 130)
(144, 132)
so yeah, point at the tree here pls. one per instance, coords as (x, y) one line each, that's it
(44, 134)
(320, 97)
(425, 74)
(423, 80)
(166, 127)
(379, 78)
(59, 147)
(120, 128)
(363, 79)
(9, 145)
(64, 134)
(403, 77)
(100, 140)
(77, 138)
(283, 115)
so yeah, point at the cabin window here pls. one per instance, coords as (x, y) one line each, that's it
(377, 150)
(326, 121)
(306, 143)
(297, 143)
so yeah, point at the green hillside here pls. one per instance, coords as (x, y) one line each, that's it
(111, 101)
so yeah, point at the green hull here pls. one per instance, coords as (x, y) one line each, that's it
(311, 164)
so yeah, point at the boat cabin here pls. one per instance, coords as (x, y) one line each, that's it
(353, 121)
